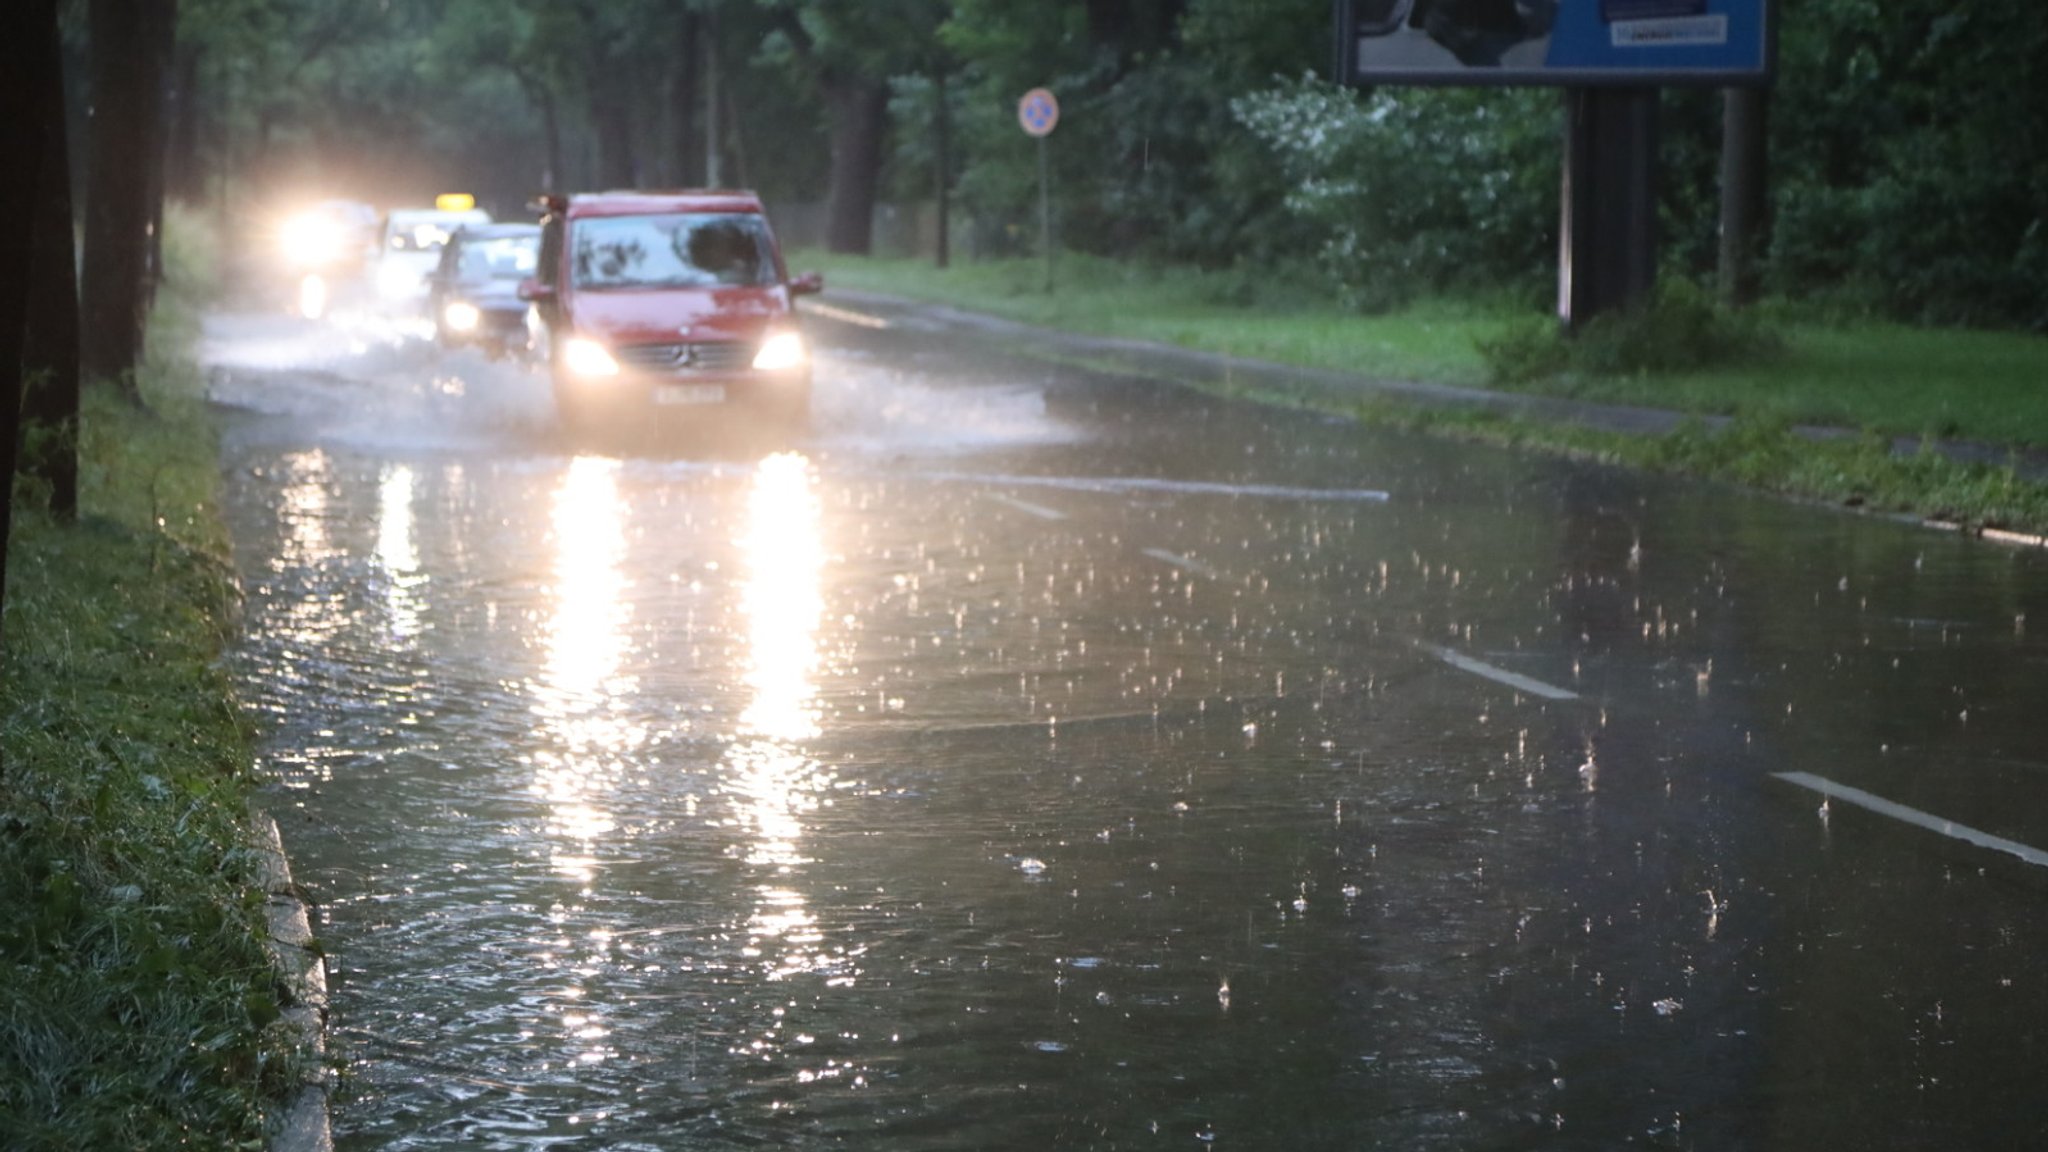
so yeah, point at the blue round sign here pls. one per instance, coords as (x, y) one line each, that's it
(1038, 112)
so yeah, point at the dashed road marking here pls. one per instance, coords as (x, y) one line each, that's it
(1149, 484)
(1914, 816)
(1514, 680)
(1183, 563)
(1026, 506)
(847, 316)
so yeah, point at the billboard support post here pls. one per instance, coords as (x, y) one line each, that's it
(1745, 195)
(1607, 235)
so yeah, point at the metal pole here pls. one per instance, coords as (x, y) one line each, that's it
(1045, 211)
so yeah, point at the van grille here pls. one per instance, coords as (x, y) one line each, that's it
(719, 357)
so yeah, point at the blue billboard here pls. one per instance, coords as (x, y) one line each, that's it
(1556, 42)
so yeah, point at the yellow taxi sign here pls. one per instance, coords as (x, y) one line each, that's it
(454, 202)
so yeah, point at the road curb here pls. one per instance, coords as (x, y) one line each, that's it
(304, 1125)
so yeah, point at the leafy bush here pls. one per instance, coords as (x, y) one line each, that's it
(1416, 191)
(1681, 329)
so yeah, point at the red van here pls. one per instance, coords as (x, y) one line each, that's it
(667, 306)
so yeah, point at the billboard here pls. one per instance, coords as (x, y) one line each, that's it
(1556, 42)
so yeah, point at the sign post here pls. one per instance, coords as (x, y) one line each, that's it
(1039, 113)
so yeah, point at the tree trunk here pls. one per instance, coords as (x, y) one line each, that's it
(859, 111)
(28, 67)
(611, 113)
(163, 45)
(49, 409)
(125, 93)
(542, 97)
(184, 176)
(684, 81)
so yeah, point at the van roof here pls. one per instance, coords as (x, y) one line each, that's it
(638, 203)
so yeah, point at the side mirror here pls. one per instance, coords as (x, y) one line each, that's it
(808, 284)
(536, 292)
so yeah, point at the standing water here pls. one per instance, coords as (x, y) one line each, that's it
(1028, 762)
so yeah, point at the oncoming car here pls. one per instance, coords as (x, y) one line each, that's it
(669, 307)
(409, 249)
(473, 297)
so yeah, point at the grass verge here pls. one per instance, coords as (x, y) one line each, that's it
(138, 1006)
(1877, 380)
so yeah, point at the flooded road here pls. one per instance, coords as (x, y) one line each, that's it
(1031, 758)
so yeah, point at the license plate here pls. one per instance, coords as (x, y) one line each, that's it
(690, 394)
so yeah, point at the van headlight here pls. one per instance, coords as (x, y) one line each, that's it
(781, 352)
(461, 316)
(586, 357)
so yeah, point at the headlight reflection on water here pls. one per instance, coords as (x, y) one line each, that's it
(768, 776)
(580, 684)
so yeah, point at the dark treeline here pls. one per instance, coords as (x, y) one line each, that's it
(1908, 159)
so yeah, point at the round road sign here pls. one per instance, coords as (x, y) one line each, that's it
(1038, 112)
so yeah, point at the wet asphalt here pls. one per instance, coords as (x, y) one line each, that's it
(1029, 756)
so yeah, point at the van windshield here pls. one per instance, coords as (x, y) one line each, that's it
(679, 250)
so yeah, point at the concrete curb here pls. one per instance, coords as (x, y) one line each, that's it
(304, 1126)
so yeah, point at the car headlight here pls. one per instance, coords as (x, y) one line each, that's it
(397, 282)
(461, 315)
(782, 351)
(586, 357)
(310, 240)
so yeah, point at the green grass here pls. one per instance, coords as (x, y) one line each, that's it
(1275, 318)
(1877, 379)
(138, 1008)
(1988, 386)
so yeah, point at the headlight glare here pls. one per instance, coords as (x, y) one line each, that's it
(586, 357)
(461, 316)
(780, 352)
(310, 240)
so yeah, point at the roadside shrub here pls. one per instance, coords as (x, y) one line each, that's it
(1681, 329)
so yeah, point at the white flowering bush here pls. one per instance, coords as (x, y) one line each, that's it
(1418, 190)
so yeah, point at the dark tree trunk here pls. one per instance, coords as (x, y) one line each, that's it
(612, 111)
(163, 45)
(736, 140)
(542, 97)
(859, 111)
(49, 408)
(685, 79)
(120, 176)
(184, 176)
(28, 67)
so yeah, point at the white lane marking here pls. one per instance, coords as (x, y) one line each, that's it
(1913, 816)
(846, 315)
(1515, 680)
(1038, 510)
(1183, 563)
(1148, 484)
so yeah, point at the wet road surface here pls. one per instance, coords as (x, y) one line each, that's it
(1032, 758)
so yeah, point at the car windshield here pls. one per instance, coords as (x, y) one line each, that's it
(681, 250)
(499, 258)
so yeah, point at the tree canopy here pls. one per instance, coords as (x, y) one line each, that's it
(1909, 171)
